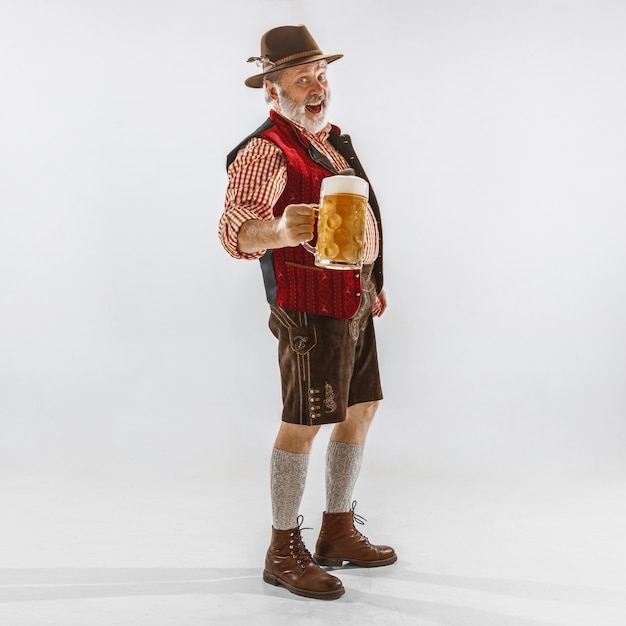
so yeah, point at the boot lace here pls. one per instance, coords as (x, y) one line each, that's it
(299, 551)
(359, 519)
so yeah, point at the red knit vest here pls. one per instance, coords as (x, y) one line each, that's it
(299, 283)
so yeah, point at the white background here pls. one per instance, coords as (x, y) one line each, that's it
(494, 134)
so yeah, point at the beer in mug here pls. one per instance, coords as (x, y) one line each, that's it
(341, 222)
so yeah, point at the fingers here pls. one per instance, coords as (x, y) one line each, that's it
(300, 214)
(297, 223)
(305, 210)
(380, 306)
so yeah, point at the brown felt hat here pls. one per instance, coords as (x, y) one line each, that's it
(286, 46)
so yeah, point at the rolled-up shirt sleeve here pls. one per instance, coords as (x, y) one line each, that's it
(370, 243)
(256, 179)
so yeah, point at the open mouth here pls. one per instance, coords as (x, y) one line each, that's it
(314, 108)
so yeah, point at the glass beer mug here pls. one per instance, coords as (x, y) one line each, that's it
(341, 223)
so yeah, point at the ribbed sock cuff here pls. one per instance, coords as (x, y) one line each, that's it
(288, 477)
(343, 465)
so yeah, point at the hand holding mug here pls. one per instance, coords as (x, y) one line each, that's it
(296, 224)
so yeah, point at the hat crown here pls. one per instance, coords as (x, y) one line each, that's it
(285, 41)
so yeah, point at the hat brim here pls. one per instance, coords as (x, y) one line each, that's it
(257, 80)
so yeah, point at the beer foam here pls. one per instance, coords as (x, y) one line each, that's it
(345, 184)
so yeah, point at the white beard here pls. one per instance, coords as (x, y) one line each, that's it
(297, 112)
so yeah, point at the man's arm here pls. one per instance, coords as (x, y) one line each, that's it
(293, 227)
(256, 179)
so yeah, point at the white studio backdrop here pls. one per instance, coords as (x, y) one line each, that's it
(495, 137)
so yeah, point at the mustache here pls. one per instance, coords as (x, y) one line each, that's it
(313, 100)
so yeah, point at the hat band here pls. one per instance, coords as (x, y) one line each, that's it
(298, 55)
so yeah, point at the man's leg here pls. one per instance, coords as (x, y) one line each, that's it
(344, 455)
(288, 562)
(339, 540)
(290, 459)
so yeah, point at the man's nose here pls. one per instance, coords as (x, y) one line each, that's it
(317, 87)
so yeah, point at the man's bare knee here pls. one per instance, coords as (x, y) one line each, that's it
(295, 438)
(364, 411)
(356, 425)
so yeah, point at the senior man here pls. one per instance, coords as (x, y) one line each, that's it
(322, 318)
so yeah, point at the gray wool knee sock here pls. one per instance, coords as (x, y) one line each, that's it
(288, 477)
(343, 464)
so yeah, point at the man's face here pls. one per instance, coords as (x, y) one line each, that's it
(303, 95)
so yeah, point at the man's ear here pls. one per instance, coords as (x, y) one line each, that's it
(271, 90)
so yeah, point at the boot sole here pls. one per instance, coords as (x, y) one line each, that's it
(320, 560)
(316, 595)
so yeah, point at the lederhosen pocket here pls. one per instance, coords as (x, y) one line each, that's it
(302, 339)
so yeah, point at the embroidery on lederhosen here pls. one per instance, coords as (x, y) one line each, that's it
(329, 398)
(302, 340)
(359, 322)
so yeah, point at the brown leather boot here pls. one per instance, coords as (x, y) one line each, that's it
(290, 564)
(340, 541)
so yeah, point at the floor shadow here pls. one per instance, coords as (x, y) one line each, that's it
(19, 585)
(552, 592)
(49, 584)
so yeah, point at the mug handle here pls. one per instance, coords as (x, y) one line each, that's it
(309, 248)
(305, 244)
